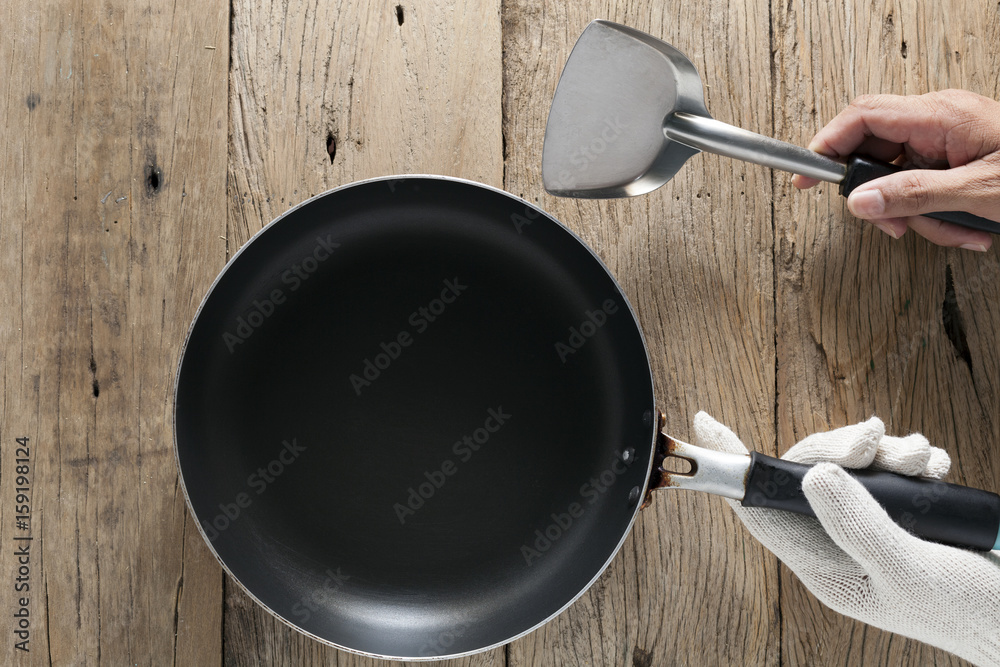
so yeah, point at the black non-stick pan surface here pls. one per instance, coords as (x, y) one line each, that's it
(414, 417)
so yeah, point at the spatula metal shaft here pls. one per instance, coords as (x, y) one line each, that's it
(712, 136)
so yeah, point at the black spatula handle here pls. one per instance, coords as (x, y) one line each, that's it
(861, 169)
(931, 509)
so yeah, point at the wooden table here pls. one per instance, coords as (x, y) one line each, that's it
(144, 142)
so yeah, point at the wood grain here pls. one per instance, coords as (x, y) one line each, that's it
(695, 260)
(395, 88)
(323, 94)
(143, 144)
(111, 192)
(862, 325)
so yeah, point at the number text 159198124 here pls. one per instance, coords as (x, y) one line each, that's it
(22, 549)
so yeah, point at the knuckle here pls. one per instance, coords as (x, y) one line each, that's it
(912, 194)
(949, 96)
(968, 118)
(956, 106)
(956, 97)
(984, 183)
(988, 177)
(868, 102)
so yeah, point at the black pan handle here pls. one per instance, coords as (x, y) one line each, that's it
(931, 509)
(861, 169)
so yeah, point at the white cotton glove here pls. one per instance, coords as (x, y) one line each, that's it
(857, 561)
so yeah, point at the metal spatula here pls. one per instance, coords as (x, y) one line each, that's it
(629, 111)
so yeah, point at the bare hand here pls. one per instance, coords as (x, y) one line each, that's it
(951, 137)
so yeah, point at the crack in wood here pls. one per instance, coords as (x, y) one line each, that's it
(951, 318)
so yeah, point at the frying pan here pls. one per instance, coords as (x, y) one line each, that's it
(414, 418)
(629, 112)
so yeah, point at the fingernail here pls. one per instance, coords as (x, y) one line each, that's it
(887, 229)
(867, 203)
(978, 247)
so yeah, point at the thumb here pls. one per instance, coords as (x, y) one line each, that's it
(854, 519)
(971, 187)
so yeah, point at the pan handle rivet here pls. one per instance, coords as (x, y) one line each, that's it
(633, 496)
(628, 456)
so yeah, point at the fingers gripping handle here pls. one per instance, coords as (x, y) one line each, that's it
(931, 509)
(861, 169)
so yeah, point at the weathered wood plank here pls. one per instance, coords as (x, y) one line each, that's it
(323, 94)
(407, 87)
(103, 269)
(690, 587)
(861, 318)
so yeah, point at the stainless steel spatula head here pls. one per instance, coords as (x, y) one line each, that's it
(629, 111)
(604, 136)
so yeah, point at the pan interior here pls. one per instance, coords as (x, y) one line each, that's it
(401, 413)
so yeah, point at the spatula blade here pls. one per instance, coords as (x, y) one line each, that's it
(604, 136)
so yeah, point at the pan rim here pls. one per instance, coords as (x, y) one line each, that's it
(180, 363)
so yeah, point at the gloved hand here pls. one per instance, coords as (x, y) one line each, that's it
(857, 561)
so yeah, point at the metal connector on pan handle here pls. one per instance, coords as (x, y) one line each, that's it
(715, 472)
